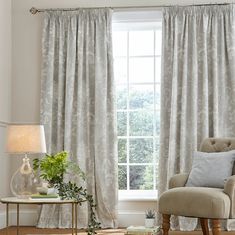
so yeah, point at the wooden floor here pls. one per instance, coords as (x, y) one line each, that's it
(33, 230)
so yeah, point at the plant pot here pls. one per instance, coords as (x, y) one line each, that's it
(149, 223)
(46, 190)
(52, 191)
(42, 190)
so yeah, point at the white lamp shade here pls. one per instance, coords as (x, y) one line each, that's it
(25, 139)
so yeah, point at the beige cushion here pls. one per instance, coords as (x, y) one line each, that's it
(195, 202)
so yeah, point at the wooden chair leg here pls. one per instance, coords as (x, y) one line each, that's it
(216, 227)
(204, 225)
(165, 224)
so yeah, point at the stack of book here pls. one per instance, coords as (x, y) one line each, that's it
(141, 230)
(44, 196)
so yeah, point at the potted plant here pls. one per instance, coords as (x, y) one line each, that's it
(53, 168)
(149, 218)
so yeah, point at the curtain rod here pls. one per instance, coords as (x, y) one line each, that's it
(35, 10)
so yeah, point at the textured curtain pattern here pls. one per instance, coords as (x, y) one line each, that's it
(78, 107)
(198, 84)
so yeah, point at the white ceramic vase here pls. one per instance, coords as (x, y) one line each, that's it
(52, 191)
(149, 223)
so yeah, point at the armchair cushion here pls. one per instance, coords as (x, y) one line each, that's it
(195, 202)
(211, 169)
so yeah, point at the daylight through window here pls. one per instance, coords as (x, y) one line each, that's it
(137, 67)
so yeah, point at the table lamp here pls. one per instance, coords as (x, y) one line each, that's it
(24, 139)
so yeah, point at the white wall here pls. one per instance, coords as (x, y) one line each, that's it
(26, 62)
(5, 90)
(5, 96)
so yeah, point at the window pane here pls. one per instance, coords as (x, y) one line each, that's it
(141, 150)
(141, 43)
(122, 123)
(141, 177)
(141, 70)
(121, 92)
(141, 123)
(122, 177)
(122, 150)
(120, 70)
(120, 43)
(137, 71)
(158, 69)
(141, 96)
(158, 42)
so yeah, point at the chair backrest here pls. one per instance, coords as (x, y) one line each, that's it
(218, 145)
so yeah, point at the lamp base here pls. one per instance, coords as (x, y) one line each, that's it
(22, 181)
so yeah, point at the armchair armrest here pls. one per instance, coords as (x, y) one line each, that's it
(229, 189)
(178, 180)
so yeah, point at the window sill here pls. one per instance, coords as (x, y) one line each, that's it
(129, 199)
(138, 195)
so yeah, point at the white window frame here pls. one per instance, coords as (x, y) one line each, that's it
(130, 21)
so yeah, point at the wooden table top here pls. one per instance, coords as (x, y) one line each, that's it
(15, 200)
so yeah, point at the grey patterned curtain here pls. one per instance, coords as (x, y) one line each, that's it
(78, 107)
(198, 84)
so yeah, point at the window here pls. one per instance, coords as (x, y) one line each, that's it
(137, 69)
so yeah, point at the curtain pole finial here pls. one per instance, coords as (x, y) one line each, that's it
(33, 10)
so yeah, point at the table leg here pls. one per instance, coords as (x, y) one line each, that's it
(7, 218)
(18, 219)
(76, 218)
(72, 218)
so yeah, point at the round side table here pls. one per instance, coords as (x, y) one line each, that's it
(19, 201)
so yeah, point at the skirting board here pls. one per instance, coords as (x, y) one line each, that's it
(2, 220)
(128, 218)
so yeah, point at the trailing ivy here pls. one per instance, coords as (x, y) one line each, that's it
(52, 169)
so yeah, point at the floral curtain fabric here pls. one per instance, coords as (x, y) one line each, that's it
(197, 86)
(78, 107)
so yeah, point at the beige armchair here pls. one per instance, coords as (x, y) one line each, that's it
(201, 202)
